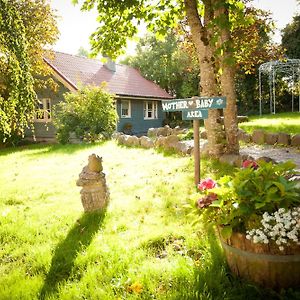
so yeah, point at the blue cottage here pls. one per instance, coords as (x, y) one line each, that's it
(138, 100)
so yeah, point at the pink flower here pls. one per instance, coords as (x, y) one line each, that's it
(249, 163)
(206, 184)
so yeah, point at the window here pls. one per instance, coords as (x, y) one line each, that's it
(150, 110)
(125, 109)
(43, 112)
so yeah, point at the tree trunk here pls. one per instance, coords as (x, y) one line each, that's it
(228, 87)
(208, 85)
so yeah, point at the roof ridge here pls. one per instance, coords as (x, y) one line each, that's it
(90, 58)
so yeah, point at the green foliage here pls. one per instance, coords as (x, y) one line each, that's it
(291, 38)
(17, 97)
(90, 113)
(26, 29)
(167, 63)
(244, 197)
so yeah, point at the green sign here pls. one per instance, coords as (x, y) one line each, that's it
(195, 103)
(195, 114)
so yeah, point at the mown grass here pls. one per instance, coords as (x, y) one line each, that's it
(142, 247)
(282, 122)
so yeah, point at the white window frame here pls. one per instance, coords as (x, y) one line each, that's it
(153, 111)
(43, 113)
(123, 116)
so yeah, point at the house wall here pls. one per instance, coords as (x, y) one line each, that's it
(139, 124)
(46, 130)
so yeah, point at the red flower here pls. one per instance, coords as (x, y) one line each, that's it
(249, 163)
(207, 200)
(206, 184)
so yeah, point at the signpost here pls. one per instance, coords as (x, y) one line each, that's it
(195, 108)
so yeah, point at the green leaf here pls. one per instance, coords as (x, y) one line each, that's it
(226, 232)
(281, 187)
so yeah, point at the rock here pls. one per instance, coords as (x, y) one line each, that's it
(246, 138)
(177, 130)
(284, 138)
(271, 138)
(232, 159)
(164, 131)
(160, 141)
(134, 141)
(295, 141)
(258, 137)
(183, 147)
(171, 141)
(203, 135)
(146, 142)
(121, 139)
(116, 135)
(152, 132)
(204, 149)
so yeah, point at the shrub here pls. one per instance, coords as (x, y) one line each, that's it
(90, 113)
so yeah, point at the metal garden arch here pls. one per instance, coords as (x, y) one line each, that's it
(289, 68)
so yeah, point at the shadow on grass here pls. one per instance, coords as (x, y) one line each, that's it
(78, 238)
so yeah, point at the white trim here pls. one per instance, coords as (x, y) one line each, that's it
(153, 111)
(44, 112)
(129, 109)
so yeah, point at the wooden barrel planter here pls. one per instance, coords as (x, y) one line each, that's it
(263, 264)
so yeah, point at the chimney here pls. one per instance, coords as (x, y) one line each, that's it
(109, 64)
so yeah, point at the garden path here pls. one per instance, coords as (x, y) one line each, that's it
(279, 154)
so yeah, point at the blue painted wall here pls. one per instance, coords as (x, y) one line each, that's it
(139, 124)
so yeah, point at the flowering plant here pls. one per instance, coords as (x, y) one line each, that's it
(254, 196)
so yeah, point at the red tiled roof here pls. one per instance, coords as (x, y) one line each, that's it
(125, 81)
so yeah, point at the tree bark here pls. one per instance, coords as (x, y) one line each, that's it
(228, 88)
(208, 85)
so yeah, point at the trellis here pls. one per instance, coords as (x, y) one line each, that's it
(289, 68)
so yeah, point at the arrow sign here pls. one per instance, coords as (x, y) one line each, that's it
(195, 114)
(195, 103)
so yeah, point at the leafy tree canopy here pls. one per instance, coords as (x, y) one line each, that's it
(291, 38)
(168, 63)
(26, 28)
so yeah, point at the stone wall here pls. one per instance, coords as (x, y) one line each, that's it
(163, 137)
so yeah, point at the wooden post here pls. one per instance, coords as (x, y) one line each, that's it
(196, 151)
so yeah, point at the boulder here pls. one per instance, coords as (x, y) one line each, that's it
(258, 137)
(177, 130)
(164, 131)
(160, 141)
(271, 138)
(232, 159)
(121, 139)
(284, 138)
(146, 142)
(152, 132)
(183, 147)
(171, 141)
(133, 141)
(295, 141)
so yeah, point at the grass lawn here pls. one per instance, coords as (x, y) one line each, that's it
(282, 122)
(142, 247)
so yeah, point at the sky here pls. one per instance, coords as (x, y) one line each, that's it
(76, 26)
